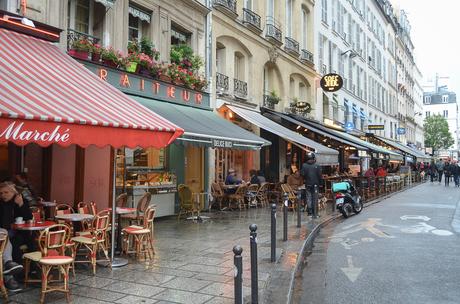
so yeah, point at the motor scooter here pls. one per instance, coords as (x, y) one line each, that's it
(347, 199)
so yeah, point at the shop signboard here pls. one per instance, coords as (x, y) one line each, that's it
(376, 127)
(150, 88)
(219, 143)
(349, 126)
(401, 131)
(331, 82)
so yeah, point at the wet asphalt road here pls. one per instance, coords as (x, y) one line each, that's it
(405, 249)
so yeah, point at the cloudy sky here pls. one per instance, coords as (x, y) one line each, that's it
(435, 36)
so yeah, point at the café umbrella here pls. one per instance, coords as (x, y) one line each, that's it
(46, 98)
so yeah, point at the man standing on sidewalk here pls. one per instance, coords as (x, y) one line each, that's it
(311, 173)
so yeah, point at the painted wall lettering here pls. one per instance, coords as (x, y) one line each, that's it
(124, 81)
(103, 74)
(171, 92)
(185, 95)
(198, 98)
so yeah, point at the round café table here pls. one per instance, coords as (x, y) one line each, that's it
(33, 226)
(74, 217)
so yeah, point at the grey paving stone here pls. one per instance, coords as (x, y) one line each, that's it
(223, 290)
(185, 297)
(134, 289)
(95, 282)
(171, 272)
(77, 300)
(99, 294)
(187, 284)
(136, 300)
(206, 269)
(213, 277)
(220, 300)
(147, 278)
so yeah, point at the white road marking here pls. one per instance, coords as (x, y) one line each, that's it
(351, 271)
(415, 217)
(368, 225)
(367, 240)
(423, 227)
(441, 232)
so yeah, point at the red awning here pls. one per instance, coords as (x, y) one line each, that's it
(46, 97)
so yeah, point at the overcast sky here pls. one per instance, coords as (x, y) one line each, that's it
(435, 36)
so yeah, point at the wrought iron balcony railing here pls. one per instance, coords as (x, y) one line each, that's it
(273, 32)
(227, 7)
(291, 46)
(307, 56)
(252, 20)
(240, 88)
(73, 35)
(221, 83)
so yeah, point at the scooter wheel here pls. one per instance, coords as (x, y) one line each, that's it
(347, 209)
(358, 207)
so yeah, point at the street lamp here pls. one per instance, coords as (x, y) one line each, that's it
(352, 53)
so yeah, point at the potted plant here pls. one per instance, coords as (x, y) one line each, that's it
(177, 74)
(163, 74)
(80, 48)
(111, 58)
(145, 64)
(132, 63)
(200, 83)
(133, 47)
(183, 56)
(147, 47)
(273, 97)
(96, 51)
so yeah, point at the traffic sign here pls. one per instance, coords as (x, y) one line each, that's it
(401, 131)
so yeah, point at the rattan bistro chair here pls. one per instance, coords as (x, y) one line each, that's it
(238, 196)
(3, 242)
(140, 236)
(186, 203)
(142, 205)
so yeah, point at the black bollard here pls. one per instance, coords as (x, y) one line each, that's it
(254, 271)
(273, 234)
(299, 198)
(285, 216)
(238, 262)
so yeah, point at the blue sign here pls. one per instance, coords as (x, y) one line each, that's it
(401, 131)
(349, 126)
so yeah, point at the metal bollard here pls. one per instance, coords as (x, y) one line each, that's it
(285, 216)
(299, 198)
(254, 271)
(238, 262)
(273, 234)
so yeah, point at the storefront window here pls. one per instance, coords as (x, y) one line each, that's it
(179, 36)
(134, 30)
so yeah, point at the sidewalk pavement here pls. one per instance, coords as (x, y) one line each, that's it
(193, 264)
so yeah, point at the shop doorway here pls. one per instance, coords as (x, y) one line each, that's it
(194, 168)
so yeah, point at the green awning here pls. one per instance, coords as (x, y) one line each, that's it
(204, 127)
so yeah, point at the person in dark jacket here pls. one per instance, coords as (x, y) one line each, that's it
(455, 169)
(447, 173)
(254, 177)
(311, 173)
(12, 206)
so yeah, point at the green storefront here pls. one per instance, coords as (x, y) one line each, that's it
(187, 160)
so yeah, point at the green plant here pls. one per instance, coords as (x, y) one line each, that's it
(82, 44)
(273, 97)
(96, 48)
(111, 54)
(133, 47)
(183, 55)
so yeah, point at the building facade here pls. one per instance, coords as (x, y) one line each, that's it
(444, 102)
(262, 54)
(356, 39)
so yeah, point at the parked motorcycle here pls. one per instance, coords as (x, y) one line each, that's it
(347, 199)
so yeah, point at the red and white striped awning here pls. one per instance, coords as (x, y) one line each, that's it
(46, 97)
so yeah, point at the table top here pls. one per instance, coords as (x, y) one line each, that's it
(48, 204)
(33, 226)
(74, 217)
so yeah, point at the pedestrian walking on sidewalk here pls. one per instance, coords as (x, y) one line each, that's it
(455, 172)
(433, 171)
(447, 173)
(440, 168)
(311, 173)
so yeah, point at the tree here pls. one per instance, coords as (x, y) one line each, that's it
(437, 133)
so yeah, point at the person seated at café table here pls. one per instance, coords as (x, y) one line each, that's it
(254, 177)
(13, 206)
(10, 268)
(295, 180)
(231, 179)
(261, 177)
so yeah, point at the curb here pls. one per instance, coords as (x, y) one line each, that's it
(317, 228)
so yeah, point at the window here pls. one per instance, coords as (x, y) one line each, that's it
(321, 52)
(445, 113)
(271, 9)
(78, 17)
(427, 114)
(347, 111)
(248, 4)
(137, 18)
(362, 121)
(134, 29)
(324, 11)
(427, 99)
(239, 66)
(445, 98)
(304, 29)
(179, 36)
(289, 18)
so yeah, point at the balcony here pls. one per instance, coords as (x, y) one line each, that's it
(73, 36)
(291, 46)
(324, 70)
(273, 32)
(270, 101)
(227, 7)
(252, 21)
(307, 57)
(240, 88)
(221, 83)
